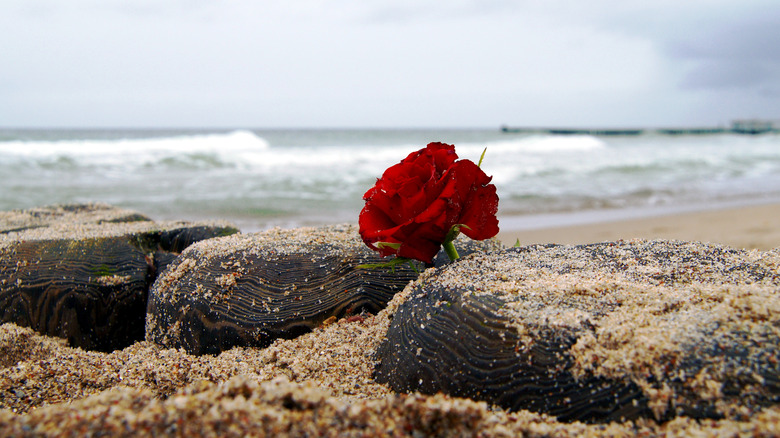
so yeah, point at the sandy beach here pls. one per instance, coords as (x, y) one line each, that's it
(749, 227)
(321, 383)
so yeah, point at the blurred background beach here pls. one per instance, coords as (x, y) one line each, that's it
(261, 93)
(547, 183)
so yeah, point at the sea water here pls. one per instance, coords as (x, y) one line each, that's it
(289, 178)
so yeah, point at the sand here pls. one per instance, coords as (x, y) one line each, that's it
(319, 384)
(751, 227)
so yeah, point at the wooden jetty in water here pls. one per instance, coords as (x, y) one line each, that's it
(750, 126)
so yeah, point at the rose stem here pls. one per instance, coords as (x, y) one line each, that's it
(449, 248)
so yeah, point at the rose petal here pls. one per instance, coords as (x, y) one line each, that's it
(420, 241)
(479, 201)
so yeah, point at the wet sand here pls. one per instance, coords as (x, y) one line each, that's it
(749, 227)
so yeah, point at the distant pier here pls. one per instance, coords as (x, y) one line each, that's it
(751, 127)
(596, 131)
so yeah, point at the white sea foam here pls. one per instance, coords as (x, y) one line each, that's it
(135, 150)
(302, 175)
(247, 150)
(536, 144)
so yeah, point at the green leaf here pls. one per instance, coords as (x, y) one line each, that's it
(481, 157)
(393, 245)
(391, 264)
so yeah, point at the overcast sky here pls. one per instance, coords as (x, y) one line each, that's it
(387, 63)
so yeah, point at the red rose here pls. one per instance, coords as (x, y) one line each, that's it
(415, 203)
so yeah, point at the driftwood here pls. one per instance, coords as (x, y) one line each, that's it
(595, 332)
(251, 289)
(83, 272)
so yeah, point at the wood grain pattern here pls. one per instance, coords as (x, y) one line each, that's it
(92, 290)
(597, 332)
(251, 298)
(464, 348)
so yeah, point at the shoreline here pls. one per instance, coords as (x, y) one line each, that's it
(754, 226)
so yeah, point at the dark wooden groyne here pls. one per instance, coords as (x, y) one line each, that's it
(750, 127)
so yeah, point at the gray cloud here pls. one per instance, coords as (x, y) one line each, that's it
(743, 53)
(387, 62)
(716, 44)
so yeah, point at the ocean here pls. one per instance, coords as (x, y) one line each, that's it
(297, 177)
